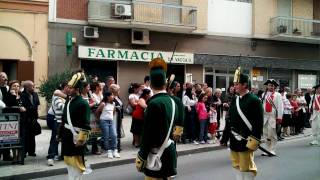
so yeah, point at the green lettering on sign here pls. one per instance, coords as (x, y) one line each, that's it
(91, 51)
(100, 53)
(111, 53)
(134, 55)
(122, 56)
(143, 57)
(160, 55)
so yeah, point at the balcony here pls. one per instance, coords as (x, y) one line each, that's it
(141, 14)
(295, 30)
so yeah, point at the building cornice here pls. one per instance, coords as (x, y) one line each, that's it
(29, 6)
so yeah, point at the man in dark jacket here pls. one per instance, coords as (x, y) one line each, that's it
(244, 128)
(30, 101)
(157, 122)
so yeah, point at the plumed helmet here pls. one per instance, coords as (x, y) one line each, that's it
(240, 77)
(77, 80)
(158, 70)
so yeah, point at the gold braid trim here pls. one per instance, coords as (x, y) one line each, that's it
(178, 130)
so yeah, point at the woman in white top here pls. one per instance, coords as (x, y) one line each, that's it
(302, 111)
(189, 101)
(115, 89)
(105, 113)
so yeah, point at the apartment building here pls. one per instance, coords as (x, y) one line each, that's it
(119, 38)
(24, 39)
(269, 38)
(213, 37)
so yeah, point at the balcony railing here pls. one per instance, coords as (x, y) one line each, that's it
(295, 27)
(150, 13)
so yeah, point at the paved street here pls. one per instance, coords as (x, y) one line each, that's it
(296, 161)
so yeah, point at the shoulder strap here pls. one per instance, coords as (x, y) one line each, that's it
(69, 120)
(163, 146)
(243, 117)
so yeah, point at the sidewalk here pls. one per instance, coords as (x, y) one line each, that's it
(36, 167)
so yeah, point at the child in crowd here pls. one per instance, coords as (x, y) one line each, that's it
(105, 113)
(213, 123)
(203, 118)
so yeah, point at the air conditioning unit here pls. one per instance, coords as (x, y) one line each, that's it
(140, 36)
(122, 9)
(90, 32)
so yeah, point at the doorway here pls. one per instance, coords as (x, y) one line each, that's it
(102, 69)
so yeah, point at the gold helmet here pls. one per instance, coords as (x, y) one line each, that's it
(77, 80)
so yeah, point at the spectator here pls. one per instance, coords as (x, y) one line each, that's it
(213, 123)
(138, 117)
(302, 111)
(3, 103)
(30, 101)
(105, 113)
(189, 101)
(203, 118)
(204, 87)
(87, 97)
(96, 98)
(57, 108)
(174, 89)
(216, 100)
(294, 104)
(287, 115)
(146, 84)
(198, 89)
(109, 80)
(14, 89)
(115, 89)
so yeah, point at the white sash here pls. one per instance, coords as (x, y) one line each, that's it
(70, 126)
(243, 117)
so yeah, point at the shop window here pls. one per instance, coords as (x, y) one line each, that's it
(208, 69)
(209, 80)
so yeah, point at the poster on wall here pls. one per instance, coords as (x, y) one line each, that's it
(306, 81)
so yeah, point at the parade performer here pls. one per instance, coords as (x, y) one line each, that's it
(75, 128)
(243, 128)
(315, 116)
(157, 157)
(273, 112)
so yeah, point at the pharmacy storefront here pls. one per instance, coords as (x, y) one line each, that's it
(130, 65)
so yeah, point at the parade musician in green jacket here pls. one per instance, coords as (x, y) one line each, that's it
(74, 131)
(244, 135)
(157, 121)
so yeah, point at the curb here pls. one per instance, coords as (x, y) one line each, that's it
(60, 171)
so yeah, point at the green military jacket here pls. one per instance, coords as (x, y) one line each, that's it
(156, 125)
(252, 108)
(80, 117)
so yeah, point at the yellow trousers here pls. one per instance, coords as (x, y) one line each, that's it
(152, 178)
(243, 161)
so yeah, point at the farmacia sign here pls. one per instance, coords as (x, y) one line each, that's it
(90, 52)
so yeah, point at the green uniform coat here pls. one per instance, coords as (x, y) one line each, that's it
(252, 108)
(156, 125)
(80, 117)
